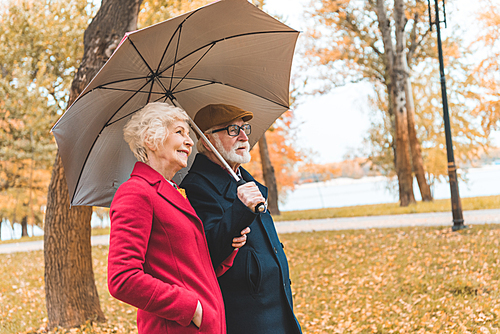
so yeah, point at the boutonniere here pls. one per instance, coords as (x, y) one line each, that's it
(183, 192)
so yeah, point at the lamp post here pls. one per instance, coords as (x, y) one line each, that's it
(456, 205)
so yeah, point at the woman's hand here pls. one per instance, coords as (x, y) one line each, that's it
(239, 242)
(198, 315)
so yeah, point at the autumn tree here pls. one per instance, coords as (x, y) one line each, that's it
(488, 67)
(71, 295)
(395, 64)
(155, 11)
(358, 41)
(37, 61)
(470, 139)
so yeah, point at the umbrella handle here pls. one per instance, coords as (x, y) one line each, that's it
(259, 208)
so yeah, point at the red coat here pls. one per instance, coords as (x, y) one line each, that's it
(158, 258)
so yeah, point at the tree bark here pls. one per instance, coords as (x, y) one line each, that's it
(269, 177)
(416, 151)
(397, 96)
(24, 226)
(399, 76)
(71, 294)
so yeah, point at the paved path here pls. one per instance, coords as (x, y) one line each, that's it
(38, 245)
(416, 219)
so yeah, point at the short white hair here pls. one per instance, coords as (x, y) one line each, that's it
(149, 125)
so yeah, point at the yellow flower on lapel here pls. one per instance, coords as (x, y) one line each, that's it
(183, 192)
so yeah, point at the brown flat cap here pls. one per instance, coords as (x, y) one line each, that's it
(217, 114)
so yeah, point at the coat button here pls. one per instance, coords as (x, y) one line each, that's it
(282, 246)
(290, 281)
(275, 250)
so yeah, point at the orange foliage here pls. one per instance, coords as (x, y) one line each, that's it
(14, 200)
(487, 71)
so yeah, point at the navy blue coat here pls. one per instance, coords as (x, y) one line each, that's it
(256, 289)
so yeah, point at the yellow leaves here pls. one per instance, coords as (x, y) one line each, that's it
(413, 280)
(450, 285)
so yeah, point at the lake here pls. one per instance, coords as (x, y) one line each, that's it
(484, 181)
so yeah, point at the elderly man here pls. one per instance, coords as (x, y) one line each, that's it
(256, 289)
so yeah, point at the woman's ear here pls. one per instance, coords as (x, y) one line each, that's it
(149, 145)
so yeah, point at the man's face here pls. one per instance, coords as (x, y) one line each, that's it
(234, 149)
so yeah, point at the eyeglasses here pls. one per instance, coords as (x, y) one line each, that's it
(234, 130)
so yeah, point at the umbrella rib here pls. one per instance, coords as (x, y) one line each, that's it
(133, 112)
(171, 38)
(262, 97)
(188, 89)
(192, 67)
(151, 89)
(175, 57)
(136, 92)
(224, 39)
(95, 141)
(119, 81)
(220, 83)
(128, 90)
(211, 43)
(140, 55)
(110, 83)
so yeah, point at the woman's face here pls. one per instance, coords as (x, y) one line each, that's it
(173, 154)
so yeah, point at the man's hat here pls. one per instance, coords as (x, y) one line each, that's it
(217, 114)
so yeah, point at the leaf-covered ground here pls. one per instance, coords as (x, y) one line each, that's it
(407, 280)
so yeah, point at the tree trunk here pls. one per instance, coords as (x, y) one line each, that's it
(416, 151)
(399, 76)
(71, 295)
(14, 216)
(24, 226)
(269, 178)
(395, 83)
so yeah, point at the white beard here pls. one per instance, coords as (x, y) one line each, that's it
(230, 156)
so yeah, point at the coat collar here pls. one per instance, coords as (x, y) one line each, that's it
(222, 181)
(164, 188)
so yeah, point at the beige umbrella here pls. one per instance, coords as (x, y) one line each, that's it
(227, 52)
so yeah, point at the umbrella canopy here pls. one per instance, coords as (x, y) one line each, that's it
(227, 52)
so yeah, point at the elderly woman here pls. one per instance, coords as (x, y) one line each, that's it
(158, 255)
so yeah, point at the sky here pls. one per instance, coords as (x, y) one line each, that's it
(336, 123)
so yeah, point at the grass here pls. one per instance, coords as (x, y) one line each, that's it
(440, 205)
(404, 280)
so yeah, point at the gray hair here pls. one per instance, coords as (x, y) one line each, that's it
(199, 144)
(150, 126)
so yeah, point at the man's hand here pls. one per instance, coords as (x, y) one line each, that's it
(250, 195)
(239, 242)
(198, 315)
